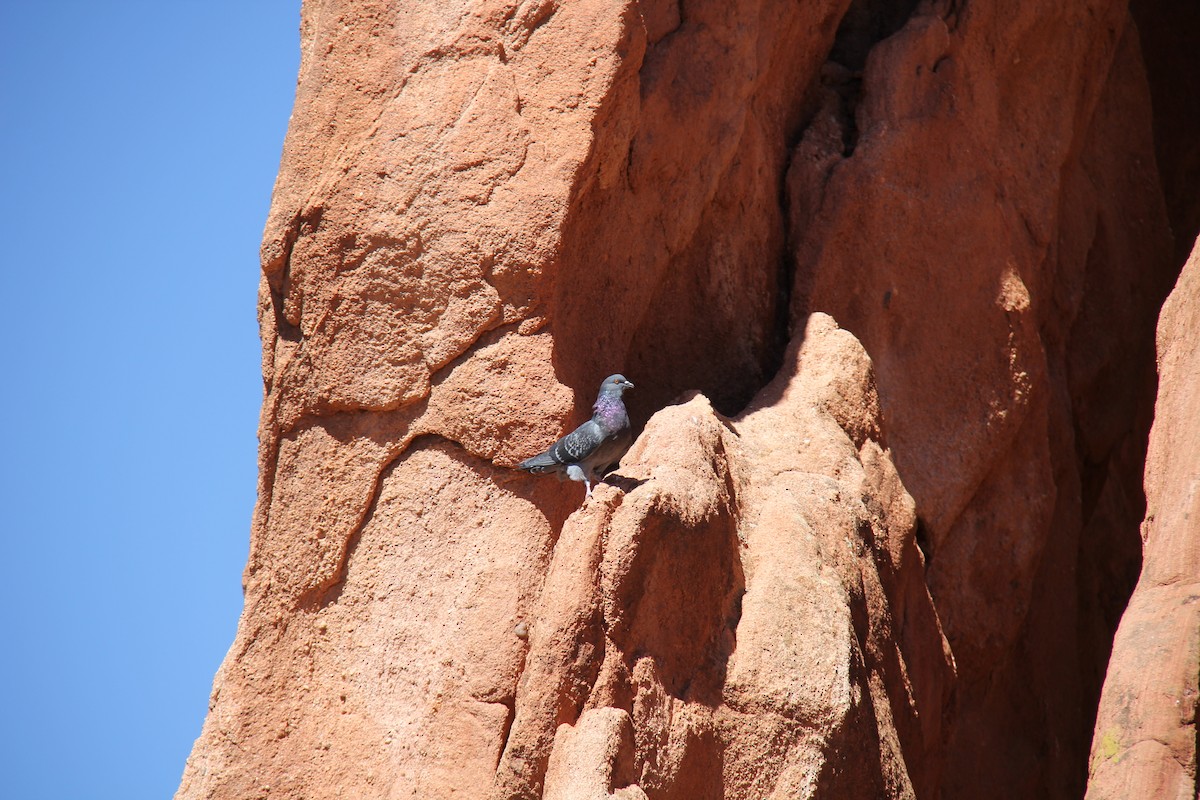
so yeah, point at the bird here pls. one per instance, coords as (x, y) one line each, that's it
(587, 452)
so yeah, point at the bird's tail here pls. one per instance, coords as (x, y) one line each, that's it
(539, 463)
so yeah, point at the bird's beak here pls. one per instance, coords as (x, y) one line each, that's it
(628, 384)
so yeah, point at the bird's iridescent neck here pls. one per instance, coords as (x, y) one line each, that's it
(609, 408)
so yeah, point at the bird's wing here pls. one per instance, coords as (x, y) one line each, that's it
(543, 462)
(578, 444)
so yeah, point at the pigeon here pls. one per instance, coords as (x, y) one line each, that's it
(587, 452)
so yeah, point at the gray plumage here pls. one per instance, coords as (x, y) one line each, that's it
(587, 452)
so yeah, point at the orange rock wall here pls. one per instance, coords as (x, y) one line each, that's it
(910, 256)
(998, 242)
(1146, 734)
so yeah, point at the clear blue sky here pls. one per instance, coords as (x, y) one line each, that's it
(139, 142)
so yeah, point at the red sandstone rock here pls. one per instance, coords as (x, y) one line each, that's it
(751, 607)
(1145, 740)
(483, 209)
(1000, 192)
(594, 760)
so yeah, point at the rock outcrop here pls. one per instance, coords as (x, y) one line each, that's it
(886, 277)
(1146, 733)
(750, 619)
(1007, 292)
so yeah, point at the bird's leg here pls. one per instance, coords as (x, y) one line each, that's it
(576, 473)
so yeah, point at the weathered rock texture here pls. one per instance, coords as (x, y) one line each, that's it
(751, 618)
(910, 256)
(1146, 733)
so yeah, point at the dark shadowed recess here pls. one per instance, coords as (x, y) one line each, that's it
(1170, 34)
(866, 23)
(685, 333)
(1109, 554)
(1169, 31)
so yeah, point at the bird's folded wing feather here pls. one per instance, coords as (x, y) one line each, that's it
(539, 463)
(577, 445)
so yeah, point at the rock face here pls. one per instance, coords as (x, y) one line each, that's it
(750, 619)
(886, 277)
(1145, 741)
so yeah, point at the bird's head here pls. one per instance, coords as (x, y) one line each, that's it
(615, 384)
